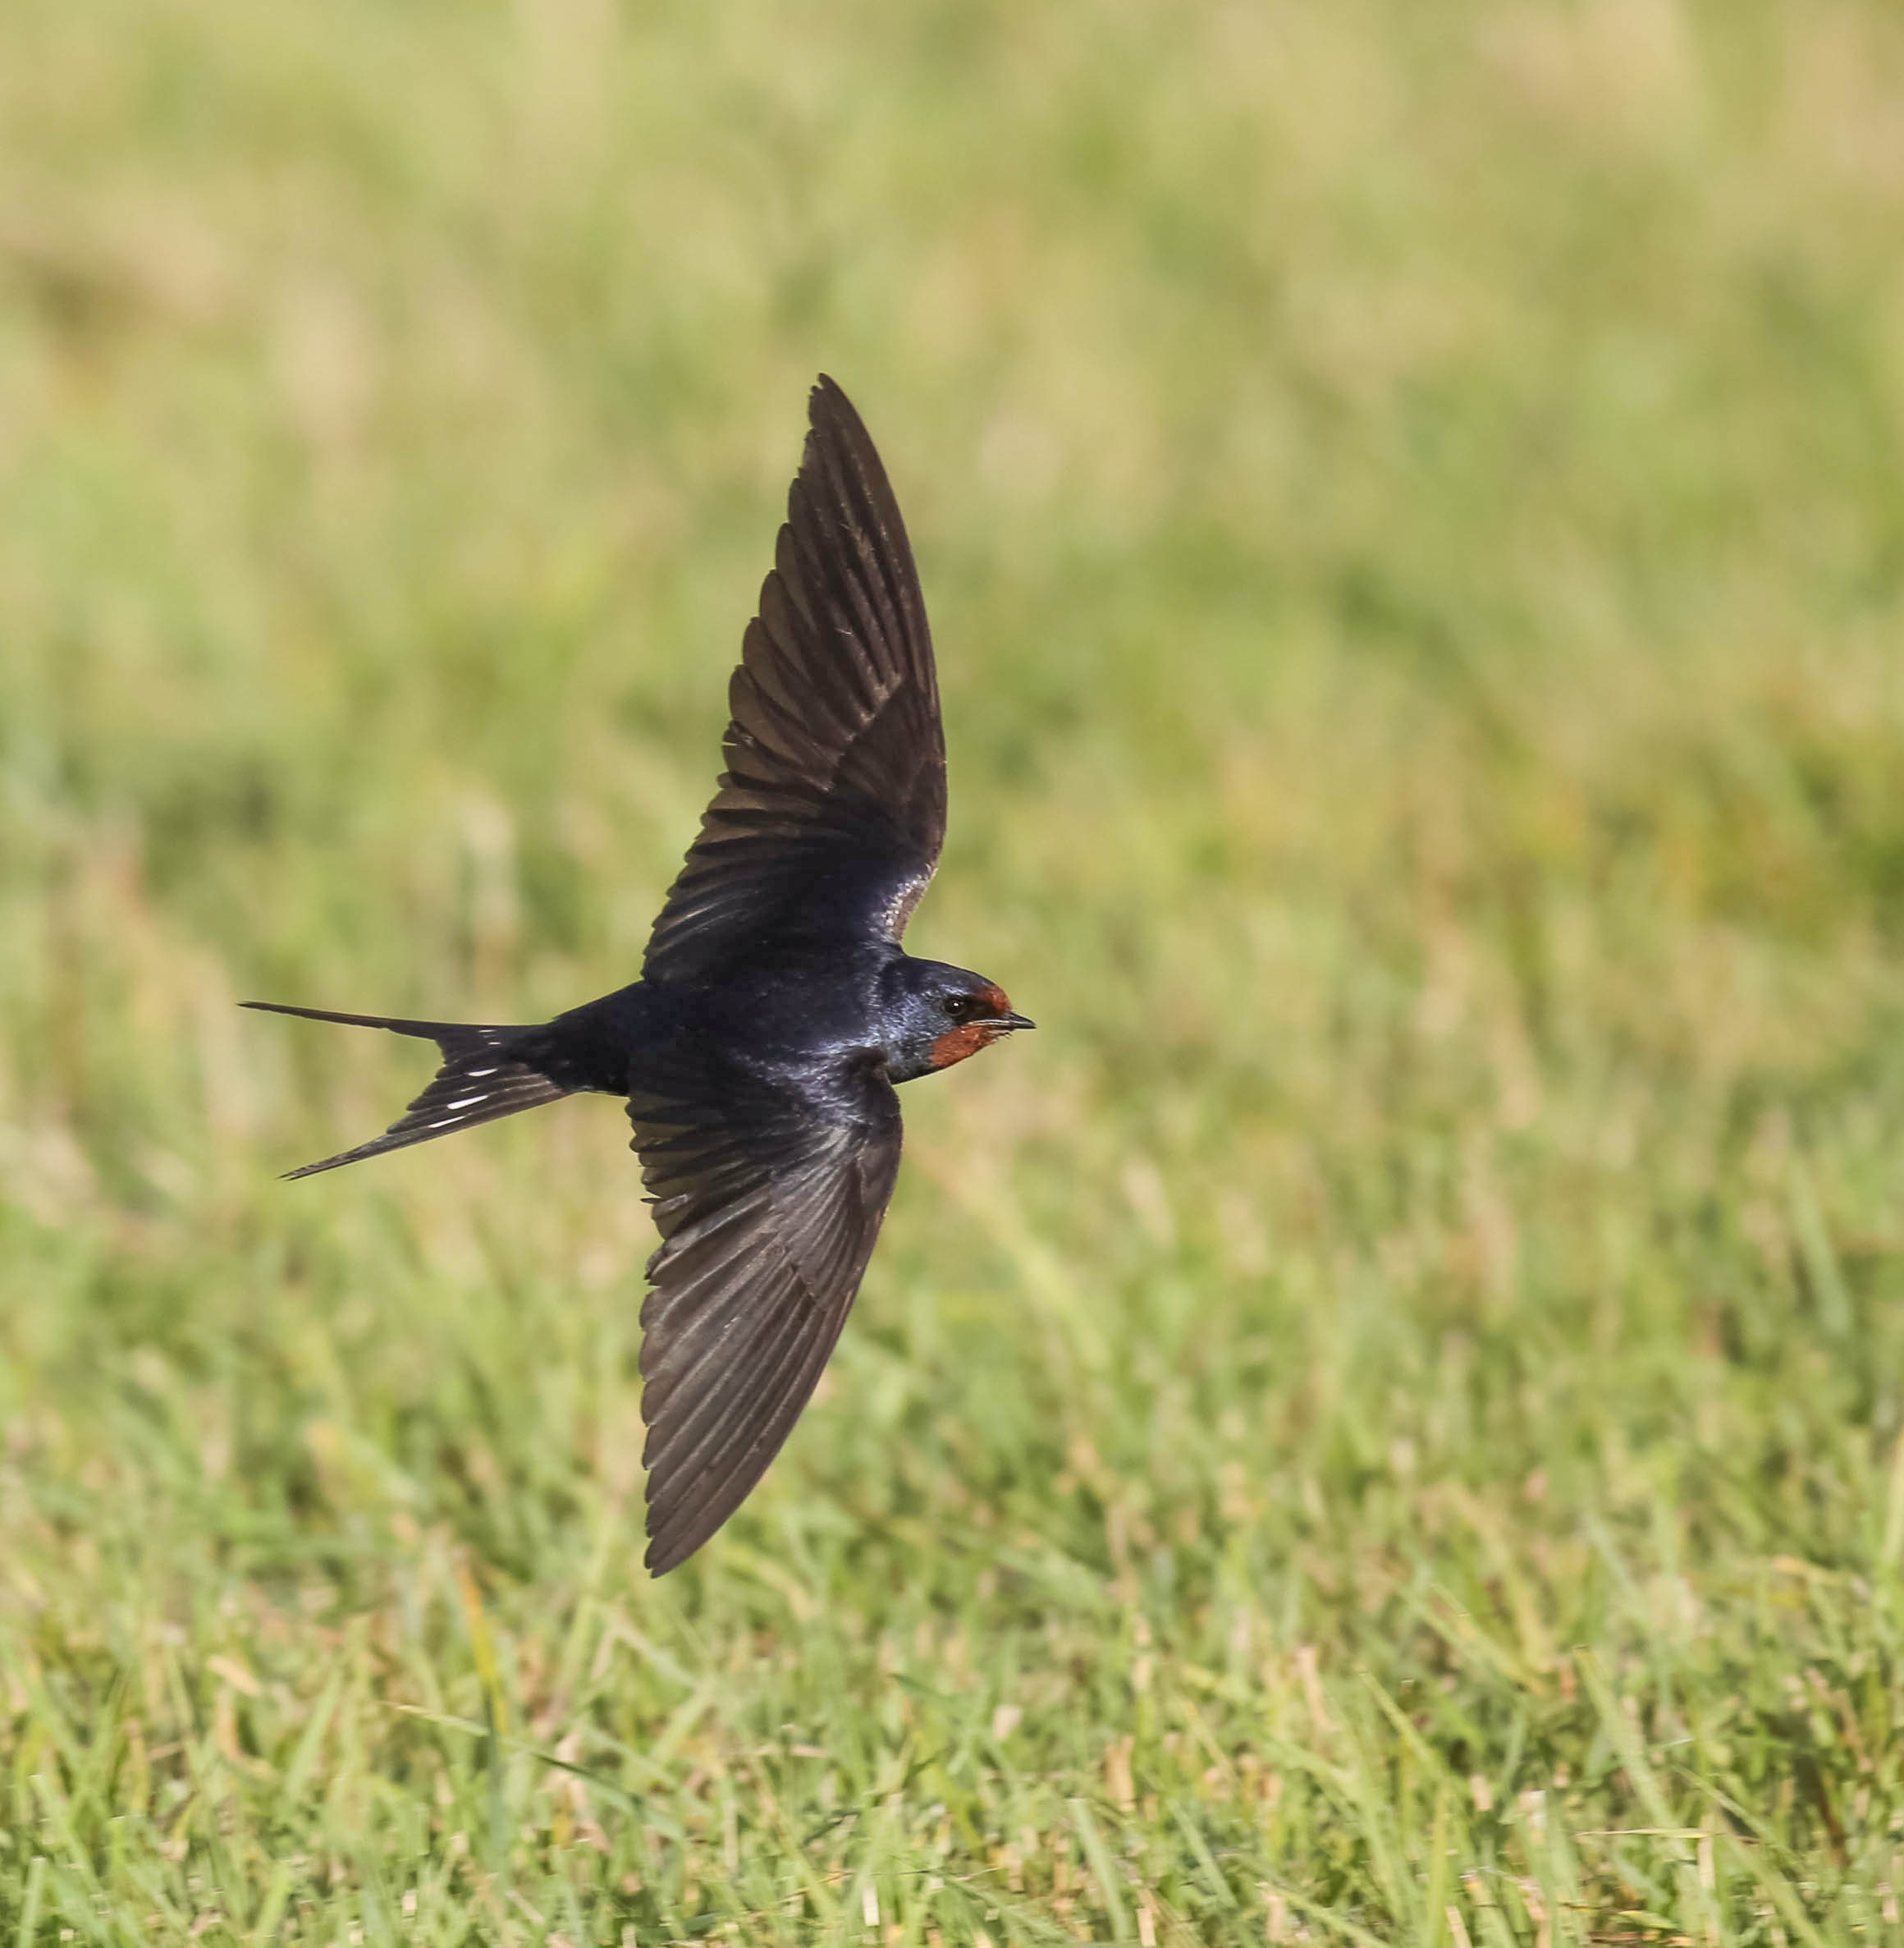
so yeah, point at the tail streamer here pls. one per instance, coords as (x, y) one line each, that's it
(478, 1081)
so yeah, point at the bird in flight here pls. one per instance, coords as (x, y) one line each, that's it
(776, 1009)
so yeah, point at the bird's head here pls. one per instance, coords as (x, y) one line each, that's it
(939, 1015)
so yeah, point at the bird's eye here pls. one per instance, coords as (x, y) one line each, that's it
(959, 1007)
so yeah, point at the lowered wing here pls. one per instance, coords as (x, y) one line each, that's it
(768, 1193)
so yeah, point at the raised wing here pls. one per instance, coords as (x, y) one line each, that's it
(768, 1195)
(830, 816)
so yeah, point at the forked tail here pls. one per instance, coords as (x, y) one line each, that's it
(479, 1080)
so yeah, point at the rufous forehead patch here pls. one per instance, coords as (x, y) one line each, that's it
(996, 998)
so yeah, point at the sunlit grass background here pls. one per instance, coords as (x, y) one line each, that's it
(1382, 1423)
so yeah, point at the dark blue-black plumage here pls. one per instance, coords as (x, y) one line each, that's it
(776, 1009)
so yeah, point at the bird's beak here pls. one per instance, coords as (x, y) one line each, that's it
(1012, 1021)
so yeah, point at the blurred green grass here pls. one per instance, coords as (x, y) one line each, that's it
(1382, 1422)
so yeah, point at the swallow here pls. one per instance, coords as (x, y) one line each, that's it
(777, 1011)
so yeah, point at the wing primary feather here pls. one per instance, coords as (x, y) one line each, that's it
(717, 1497)
(716, 1413)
